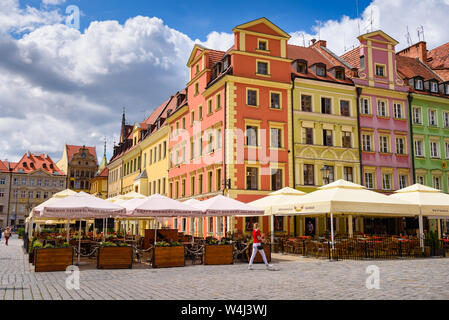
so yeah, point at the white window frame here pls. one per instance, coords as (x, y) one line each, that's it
(384, 181)
(419, 143)
(434, 118)
(369, 183)
(434, 152)
(382, 106)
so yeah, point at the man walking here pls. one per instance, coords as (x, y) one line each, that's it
(7, 235)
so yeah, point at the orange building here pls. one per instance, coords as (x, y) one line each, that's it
(232, 135)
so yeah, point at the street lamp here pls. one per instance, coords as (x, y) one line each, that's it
(325, 173)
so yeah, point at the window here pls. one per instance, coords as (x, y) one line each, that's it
(386, 181)
(192, 185)
(432, 118)
(403, 181)
(346, 139)
(197, 88)
(306, 103)
(447, 150)
(417, 115)
(331, 174)
(301, 67)
(397, 108)
(218, 139)
(381, 108)
(309, 179)
(366, 142)
(210, 225)
(344, 108)
(218, 102)
(421, 180)
(326, 105)
(436, 182)
(2, 181)
(419, 152)
(192, 118)
(308, 135)
(434, 149)
(200, 184)
(320, 71)
(210, 143)
(278, 223)
(364, 106)
(252, 98)
(380, 70)
(419, 84)
(339, 74)
(209, 181)
(434, 87)
(262, 67)
(218, 179)
(209, 107)
(347, 174)
(200, 113)
(175, 223)
(38, 194)
(2, 193)
(400, 145)
(262, 45)
(275, 138)
(251, 136)
(362, 62)
(183, 188)
(447, 89)
(220, 226)
(276, 179)
(23, 194)
(446, 119)
(252, 178)
(275, 100)
(327, 138)
(383, 144)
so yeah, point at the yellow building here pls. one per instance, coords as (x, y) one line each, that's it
(99, 184)
(326, 146)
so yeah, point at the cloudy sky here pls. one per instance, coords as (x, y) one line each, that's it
(62, 84)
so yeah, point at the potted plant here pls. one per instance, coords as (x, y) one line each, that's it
(168, 254)
(113, 256)
(53, 258)
(33, 245)
(218, 252)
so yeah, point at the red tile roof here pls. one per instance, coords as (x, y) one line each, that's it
(3, 167)
(72, 150)
(32, 162)
(438, 58)
(352, 57)
(215, 56)
(411, 67)
(103, 173)
(312, 56)
(443, 74)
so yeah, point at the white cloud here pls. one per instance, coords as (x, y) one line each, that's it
(53, 2)
(392, 17)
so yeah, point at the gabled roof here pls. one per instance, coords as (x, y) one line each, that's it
(269, 26)
(379, 33)
(103, 173)
(411, 67)
(72, 150)
(31, 162)
(195, 48)
(438, 58)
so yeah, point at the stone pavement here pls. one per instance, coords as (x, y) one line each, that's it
(297, 278)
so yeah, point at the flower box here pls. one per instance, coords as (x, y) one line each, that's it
(52, 259)
(165, 257)
(115, 258)
(218, 254)
(258, 257)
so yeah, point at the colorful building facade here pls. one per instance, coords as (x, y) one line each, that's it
(5, 187)
(383, 117)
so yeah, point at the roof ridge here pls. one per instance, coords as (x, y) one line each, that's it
(430, 69)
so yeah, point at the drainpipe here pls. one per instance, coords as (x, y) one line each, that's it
(412, 147)
(224, 140)
(358, 91)
(293, 77)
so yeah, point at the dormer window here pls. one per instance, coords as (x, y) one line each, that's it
(362, 62)
(51, 166)
(419, 84)
(225, 63)
(32, 165)
(339, 74)
(44, 166)
(447, 88)
(434, 87)
(301, 67)
(320, 71)
(25, 164)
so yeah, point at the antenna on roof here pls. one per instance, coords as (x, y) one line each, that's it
(319, 30)
(409, 38)
(420, 30)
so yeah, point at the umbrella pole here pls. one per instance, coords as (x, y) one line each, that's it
(272, 230)
(68, 231)
(332, 230)
(79, 243)
(421, 231)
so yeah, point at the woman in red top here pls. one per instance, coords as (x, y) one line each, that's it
(257, 246)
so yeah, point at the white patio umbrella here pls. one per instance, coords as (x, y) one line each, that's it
(81, 206)
(222, 206)
(159, 206)
(270, 203)
(432, 203)
(346, 197)
(130, 196)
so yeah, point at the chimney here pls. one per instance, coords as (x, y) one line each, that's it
(318, 44)
(418, 50)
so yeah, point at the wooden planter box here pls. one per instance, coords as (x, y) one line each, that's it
(218, 254)
(258, 257)
(164, 257)
(115, 258)
(52, 259)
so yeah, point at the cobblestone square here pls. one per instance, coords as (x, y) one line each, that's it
(297, 278)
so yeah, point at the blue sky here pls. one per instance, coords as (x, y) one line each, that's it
(198, 18)
(63, 85)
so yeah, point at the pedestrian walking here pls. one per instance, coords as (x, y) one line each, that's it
(258, 247)
(7, 235)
